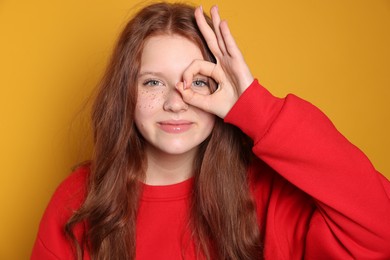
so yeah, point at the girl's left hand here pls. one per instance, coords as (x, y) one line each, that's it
(230, 73)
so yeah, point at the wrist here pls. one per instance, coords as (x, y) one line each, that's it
(245, 83)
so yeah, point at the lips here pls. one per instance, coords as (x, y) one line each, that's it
(175, 126)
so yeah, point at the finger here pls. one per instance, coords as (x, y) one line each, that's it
(229, 41)
(207, 32)
(204, 68)
(193, 98)
(216, 22)
(214, 104)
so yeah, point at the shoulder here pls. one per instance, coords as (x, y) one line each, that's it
(71, 192)
(76, 183)
(274, 193)
(283, 211)
(68, 197)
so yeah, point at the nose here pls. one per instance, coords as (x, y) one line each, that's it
(174, 101)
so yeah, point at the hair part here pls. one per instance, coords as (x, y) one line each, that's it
(222, 215)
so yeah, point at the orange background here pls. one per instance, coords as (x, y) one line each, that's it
(333, 53)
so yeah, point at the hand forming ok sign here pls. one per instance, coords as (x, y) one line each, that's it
(230, 73)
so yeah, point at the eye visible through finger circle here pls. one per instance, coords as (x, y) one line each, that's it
(199, 83)
(201, 86)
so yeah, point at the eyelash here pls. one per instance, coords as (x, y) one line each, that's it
(203, 82)
(149, 81)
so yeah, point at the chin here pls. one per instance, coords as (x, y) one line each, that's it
(178, 150)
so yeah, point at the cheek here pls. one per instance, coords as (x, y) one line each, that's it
(208, 121)
(148, 102)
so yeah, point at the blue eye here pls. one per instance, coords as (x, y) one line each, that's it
(199, 83)
(152, 83)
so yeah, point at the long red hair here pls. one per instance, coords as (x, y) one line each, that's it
(223, 219)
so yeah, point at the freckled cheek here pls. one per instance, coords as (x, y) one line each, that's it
(148, 101)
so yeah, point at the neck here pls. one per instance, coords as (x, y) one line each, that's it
(166, 169)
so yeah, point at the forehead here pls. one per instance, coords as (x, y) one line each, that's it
(164, 50)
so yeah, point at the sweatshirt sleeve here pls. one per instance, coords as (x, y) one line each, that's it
(352, 205)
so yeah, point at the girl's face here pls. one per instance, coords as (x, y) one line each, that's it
(168, 124)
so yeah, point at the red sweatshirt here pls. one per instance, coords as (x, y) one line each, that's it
(317, 195)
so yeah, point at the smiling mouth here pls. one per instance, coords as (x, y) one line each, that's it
(175, 127)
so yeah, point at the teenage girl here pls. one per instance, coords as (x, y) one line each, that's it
(194, 159)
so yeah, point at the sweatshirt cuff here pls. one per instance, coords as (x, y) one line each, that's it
(255, 111)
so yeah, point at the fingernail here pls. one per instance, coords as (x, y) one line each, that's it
(184, 84)
(201, 8)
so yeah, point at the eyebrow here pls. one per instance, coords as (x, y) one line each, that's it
(160, 74)
(153, 73)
